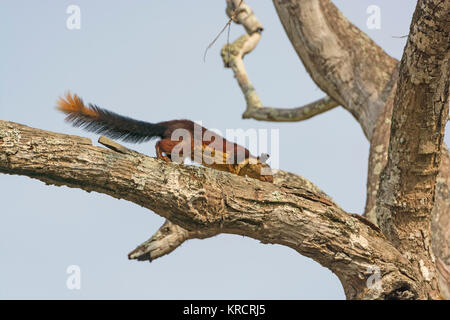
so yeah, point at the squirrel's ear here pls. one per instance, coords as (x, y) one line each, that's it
(263, 157)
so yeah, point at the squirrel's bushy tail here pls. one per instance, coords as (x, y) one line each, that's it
(95, 119)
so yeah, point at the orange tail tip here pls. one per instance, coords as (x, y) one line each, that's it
(73, 104)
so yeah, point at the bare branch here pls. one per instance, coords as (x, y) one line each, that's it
(168, 237)
(216, 202)
(289, 115)
(241, 13)
(342, 60)
(114, 145)
(233, 54)
(232, 15)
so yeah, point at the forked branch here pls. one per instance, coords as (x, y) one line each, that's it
(233, 55)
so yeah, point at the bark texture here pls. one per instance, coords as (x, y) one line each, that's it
(354, 71)
(407, 185)
(218, 202)
(342, 60)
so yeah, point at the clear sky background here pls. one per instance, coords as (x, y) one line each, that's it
(144, 59)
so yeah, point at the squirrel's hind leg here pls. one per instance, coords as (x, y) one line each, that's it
(159, 151)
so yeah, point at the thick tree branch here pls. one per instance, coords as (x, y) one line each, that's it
(342, 60)
(440, 221)
(407, 184)
(218, 202)
(170, 236)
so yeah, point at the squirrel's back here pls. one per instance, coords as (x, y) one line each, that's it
(95, 119)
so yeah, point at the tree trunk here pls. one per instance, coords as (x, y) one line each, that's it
(358, 74)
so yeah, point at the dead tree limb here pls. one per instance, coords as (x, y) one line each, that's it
(216, 202)
(233, 55)
(348, 66)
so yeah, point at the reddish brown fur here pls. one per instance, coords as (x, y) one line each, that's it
(73, 104)
(95, 119)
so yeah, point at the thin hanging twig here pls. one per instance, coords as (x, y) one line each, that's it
(228, 24)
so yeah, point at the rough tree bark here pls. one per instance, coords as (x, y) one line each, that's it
(407, 184)
(353, 70)
(354, 73)
(212, 202)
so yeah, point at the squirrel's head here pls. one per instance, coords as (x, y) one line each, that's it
(258, 169)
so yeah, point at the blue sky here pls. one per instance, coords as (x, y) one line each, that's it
(144, 59)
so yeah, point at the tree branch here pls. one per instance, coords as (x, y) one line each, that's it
(406, 195)
(292, 114)
(342, 60)
(440, 216)
(353, 70)
(170, 236)
(204, 199)
(232, 56)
